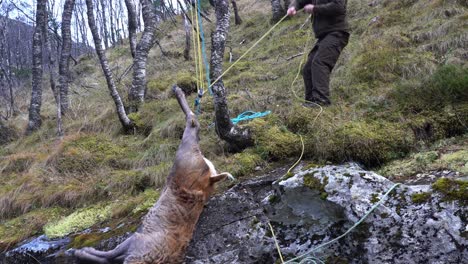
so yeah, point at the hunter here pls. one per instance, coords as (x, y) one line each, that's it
(332, 32)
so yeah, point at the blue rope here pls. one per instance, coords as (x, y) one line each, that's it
(247, 115)
(202, 35)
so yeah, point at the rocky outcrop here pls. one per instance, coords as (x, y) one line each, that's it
(319, 204)
(314, 206)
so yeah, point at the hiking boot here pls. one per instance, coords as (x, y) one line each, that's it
(310, 105)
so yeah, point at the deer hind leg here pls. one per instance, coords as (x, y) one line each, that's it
(192, 127)
(116, 255)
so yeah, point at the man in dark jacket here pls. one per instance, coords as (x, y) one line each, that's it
(332, 31)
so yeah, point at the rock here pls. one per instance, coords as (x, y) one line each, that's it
(317, 205)
(37, 250)
(311, 208)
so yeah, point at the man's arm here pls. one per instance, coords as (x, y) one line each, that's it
(299, 4)
(335, 7)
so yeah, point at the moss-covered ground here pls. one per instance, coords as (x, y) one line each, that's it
(400, 103)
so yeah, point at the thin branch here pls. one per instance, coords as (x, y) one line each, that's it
(294, 56)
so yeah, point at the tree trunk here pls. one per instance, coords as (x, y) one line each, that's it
(287, 3)
(124, 120)
(278, 11)
(104, 24)
(132, 25)
(237, 18)
(188, 31)
(35, 120)
(64, 63)
(52, 76)
(137, 92)
(238, 138)
(112, 24)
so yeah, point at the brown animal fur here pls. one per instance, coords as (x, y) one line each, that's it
(168, 227)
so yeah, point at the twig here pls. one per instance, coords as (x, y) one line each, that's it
(74, 60)
(125, 73)
(294, 56)
(160, 47)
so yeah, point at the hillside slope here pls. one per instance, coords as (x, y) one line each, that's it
(400, 87)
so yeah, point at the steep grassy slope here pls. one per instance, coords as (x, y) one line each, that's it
(401, 84)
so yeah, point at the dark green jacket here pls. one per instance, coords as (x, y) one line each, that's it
(328, 15)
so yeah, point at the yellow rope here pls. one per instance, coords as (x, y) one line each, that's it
(276, 242)
(195, 54)
(200, 59)
(253, 46)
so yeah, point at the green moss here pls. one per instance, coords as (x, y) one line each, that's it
(452, 189)
(457, 161)
(150, 198)
(371, 143)
(17, 229)
(316, 184)
(77, 221)
(426, 157)
(244, 163)
(187, 82)
(94, 237)
(374, 198)
(156, 86)
(421, 197)
(87, 153)
(274, 141)
(272, 199)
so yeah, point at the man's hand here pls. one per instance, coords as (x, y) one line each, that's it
(292, 11)
(309, 9)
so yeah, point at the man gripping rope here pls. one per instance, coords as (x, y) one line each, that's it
(332, 32)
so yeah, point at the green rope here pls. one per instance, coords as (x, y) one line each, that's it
(247, 115)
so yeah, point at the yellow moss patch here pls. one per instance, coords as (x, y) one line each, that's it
(79, 220)
(452, 189)
(243, 163)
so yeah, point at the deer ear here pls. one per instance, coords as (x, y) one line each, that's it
(216, 178)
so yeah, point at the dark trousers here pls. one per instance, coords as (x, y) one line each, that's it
(322, 59)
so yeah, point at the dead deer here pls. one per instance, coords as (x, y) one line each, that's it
(168, 227)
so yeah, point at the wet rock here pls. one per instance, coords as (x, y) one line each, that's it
(37, 250)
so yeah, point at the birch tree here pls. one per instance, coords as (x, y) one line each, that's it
(64, 63)
(238, 138)
(132, 25)
(35, 120)
(127, 124)
(137, 91)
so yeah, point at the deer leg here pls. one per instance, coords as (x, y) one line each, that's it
(92, 254)
(85, 256)
(192, 126)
